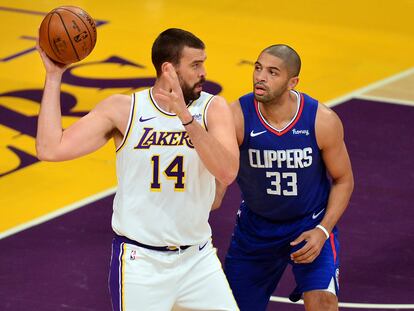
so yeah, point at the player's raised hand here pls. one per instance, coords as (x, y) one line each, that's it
(315, 239)
(50, 66)
(170, 92)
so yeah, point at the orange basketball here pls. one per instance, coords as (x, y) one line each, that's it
(67, 34)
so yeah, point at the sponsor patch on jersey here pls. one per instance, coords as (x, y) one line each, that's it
(300, 132)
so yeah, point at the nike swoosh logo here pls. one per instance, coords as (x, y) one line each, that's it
(253, 134)
(314, 216)
(200, 248)
(141, 119)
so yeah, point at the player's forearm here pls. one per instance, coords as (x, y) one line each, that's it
(220, 162)
(338, 201)
(49, 127)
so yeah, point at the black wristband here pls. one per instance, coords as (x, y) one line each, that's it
(189, 122)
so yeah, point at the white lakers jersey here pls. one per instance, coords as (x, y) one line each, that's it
(164, 191)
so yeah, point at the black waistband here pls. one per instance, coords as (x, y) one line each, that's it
(155, 248)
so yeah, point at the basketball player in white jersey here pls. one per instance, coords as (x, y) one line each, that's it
(172, 141)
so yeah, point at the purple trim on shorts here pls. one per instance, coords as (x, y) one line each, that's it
(115, 275)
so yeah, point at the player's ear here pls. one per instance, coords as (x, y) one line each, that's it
(164, 66)
(293, 82)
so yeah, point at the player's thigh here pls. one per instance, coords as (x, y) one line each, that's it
(204, 286)
(135, 280)
(253, 281)
(320, 300)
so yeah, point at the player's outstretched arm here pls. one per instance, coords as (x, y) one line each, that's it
(330, 138)
(216, 147)
(84, 136)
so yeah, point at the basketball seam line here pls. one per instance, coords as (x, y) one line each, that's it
(92, 43)
(48, 37)
(67, 32)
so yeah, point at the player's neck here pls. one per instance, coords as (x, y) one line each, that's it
(280, 111)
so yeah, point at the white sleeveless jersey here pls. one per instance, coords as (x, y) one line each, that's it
(164, 191)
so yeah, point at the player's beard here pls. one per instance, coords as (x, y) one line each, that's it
(270, 95)
(189, 92)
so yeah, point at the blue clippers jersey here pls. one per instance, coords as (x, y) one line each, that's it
(282, 175)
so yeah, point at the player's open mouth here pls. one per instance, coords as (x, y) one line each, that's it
(259, 89)
(198, 87)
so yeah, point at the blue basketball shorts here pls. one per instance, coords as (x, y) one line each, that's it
(260, 251)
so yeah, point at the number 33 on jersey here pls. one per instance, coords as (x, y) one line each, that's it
(282, 164)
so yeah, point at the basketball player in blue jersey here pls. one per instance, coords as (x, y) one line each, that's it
(172, 141)
(288, 143)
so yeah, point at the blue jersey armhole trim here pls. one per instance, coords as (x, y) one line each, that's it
(310, 101)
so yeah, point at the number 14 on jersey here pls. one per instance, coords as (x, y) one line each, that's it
(174, 171)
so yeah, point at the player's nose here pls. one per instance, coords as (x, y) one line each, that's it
(202, 73)
(259, 76)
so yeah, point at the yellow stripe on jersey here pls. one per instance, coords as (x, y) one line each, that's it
(123, 267)
(130, 123)
(205, 112)
(168, 114)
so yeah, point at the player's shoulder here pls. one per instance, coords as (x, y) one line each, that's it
(115, 100)
(328, 126)
(116, 104)
(215, 101)
(119, 98)
(326, 115)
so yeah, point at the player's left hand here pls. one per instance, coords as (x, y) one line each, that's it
(315, 239)
(171, 93)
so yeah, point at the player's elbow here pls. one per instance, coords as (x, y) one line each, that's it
(349, 181)
(228, 175)
(45, 154)
(230, 178)
(346, 182)
(351, 184)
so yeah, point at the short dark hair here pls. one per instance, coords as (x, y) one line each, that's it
(169, 45)
(289, 56)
